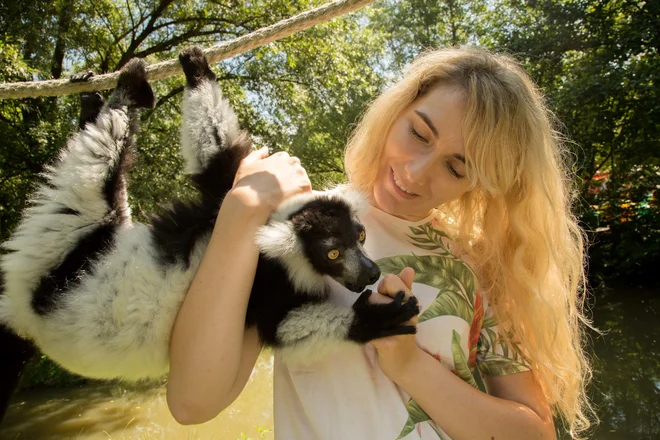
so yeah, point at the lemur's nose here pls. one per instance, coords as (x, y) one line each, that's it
(373, 273)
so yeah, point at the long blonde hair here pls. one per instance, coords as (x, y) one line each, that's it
(516, 223)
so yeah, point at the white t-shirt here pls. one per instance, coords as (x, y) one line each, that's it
(346, 396)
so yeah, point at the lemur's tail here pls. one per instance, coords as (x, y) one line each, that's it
(14, 356)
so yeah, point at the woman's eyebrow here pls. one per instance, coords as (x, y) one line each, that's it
(428, 122)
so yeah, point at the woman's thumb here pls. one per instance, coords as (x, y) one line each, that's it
(407, 275)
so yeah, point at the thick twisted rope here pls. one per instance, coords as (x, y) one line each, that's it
(172, 67)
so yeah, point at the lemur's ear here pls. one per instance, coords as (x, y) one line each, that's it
(277, 239)
(291, 205)
(355, 198)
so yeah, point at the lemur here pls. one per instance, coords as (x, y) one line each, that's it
(98, 293)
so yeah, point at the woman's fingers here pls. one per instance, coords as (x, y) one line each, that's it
(407, 275)
(271, 179)
(254, 156)
(392, 284)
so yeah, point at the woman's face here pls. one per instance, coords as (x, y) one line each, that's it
(423, 162)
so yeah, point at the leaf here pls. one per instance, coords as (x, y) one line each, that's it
(416, 231)
(448, 303)
(490, 321)
(493, 364)
(421, 240)
(460, 361)
(437, 271)
(415, 415)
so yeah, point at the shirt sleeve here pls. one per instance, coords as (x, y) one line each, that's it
(494, 356)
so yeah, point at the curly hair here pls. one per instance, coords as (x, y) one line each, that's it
(516, 223)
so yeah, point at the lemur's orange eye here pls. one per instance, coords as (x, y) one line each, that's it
(363, 236)
(333, 254)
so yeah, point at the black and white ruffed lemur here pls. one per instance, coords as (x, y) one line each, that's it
(98, 293)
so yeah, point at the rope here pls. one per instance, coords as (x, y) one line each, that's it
(172, 67)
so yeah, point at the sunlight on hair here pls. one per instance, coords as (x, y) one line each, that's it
(516, 224)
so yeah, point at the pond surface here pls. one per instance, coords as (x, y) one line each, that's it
(626, 387)
(114, 412)
(626, 392)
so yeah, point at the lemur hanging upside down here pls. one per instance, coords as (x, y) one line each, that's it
(99, 293)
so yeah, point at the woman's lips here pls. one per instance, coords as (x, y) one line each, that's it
(401, 193)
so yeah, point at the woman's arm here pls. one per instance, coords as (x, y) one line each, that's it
(515, 408)
(211, 352)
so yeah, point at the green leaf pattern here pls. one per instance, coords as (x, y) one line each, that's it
(457, 286)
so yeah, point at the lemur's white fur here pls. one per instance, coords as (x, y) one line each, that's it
(43, 238)
(277, 239)
(209, 116)
(116, 322)
(313, 331)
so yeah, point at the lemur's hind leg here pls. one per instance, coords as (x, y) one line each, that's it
(212, 142)
(213, 146)
(73, 216)
(91, 103)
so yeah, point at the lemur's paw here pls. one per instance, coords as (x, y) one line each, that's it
(83, 76)
(373, 321)
(133, 79)
(195, 66)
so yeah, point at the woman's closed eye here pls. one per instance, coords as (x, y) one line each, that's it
(417, 135)
(453, 171)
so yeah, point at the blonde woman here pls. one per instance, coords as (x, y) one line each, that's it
(471, 213)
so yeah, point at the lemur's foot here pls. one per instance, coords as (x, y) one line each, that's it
(83, 76)
(133, 80)
(373, 321)
(195, 66)
(90, 102)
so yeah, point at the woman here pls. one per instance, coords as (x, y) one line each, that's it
(471, 214)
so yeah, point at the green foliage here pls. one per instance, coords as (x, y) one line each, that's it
(598, 63)
(42, 372)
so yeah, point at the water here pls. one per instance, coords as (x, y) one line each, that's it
(626, 388)
(114, 412)
(626, 392)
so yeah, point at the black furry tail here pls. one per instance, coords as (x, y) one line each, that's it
(15, 353)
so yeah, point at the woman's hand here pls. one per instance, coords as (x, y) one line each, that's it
(262, 182)
(396, 352)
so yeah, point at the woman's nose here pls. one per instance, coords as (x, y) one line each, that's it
(418, 167)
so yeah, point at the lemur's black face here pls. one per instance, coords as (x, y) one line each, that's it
(332, 240)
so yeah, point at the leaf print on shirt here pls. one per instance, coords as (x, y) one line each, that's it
(454, 280)
(475, 330)
(416, 416)
(496, 357)
(460, 360)
(457, 296)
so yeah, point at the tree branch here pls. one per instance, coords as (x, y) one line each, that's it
(135, 43)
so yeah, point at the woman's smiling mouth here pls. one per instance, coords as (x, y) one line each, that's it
(400, 189)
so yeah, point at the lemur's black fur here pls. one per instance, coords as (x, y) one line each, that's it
(98, 293)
